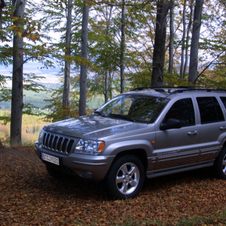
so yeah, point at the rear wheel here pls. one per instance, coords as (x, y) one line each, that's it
(125, 178)
(220, 165)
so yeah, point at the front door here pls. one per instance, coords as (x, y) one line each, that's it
(178, 147)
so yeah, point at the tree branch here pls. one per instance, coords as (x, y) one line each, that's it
(208, 65)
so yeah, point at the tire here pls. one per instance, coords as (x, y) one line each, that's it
(125, 177)
(220, 165)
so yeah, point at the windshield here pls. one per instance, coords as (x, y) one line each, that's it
(134, 108)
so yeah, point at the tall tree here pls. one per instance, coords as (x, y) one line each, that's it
(66, 92)
(192, 77)
(17, 81)
(83, 72)
(122, 54)
(107, 71)
(2, 5)
(183, 39)
(188, 37)
(160, 41)
(171, 47)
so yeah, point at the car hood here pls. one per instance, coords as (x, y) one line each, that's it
(92, 126)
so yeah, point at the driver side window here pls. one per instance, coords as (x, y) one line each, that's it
(182, 110)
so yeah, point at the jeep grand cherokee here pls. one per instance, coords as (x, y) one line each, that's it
(146, 132)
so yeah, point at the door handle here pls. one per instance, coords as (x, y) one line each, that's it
(223, 128)
(192, 133)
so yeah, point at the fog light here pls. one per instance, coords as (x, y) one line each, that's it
(86, 174)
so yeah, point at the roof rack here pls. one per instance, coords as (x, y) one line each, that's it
(178, 89)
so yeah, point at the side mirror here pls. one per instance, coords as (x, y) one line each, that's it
(170, 124)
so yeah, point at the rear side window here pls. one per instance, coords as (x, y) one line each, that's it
(182, 110)
(210, 110)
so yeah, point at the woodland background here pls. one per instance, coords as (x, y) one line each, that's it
(104, 48)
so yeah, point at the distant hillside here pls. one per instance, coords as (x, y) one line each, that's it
(37, 99)
(31, 97)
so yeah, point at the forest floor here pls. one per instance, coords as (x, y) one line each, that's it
(29, 196)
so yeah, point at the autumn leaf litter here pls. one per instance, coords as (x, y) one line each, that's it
(29, 196)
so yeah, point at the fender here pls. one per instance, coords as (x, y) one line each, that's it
(115, 148)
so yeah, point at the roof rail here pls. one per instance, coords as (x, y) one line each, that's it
(162, 88)
(178, 89)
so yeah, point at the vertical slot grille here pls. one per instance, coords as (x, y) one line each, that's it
(58, 143)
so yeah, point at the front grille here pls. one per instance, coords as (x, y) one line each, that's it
(57, 143)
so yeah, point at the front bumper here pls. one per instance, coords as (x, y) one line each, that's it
(93, 167)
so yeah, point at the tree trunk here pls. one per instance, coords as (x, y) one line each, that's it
(106, 87)
(111, 75)
(1, 145)
(107, 72)
(171, 47)
(160, 41)
(17, 80)
(195, 42)
(187, 38)
(2, 5)
(122, 56)
(83, 73)
(66, 92)
(183, 41)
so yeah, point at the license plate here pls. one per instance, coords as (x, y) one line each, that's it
(50, 158)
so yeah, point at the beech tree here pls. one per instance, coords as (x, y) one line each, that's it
(122, 46)
(104, 49)
(160, 41)
(17, 26)
(2, 5)
(66, 92)
(187, 39)
(17, 80)
(185, 36)
(195, 42)
(83, 72)
(171, 42)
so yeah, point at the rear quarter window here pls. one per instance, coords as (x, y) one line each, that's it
(223, 99)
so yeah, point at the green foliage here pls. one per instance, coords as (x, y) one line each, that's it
(30, 82)
(5, 94)
(56, 110)
(139, 79)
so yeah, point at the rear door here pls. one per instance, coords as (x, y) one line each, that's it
(212, 126)
(175, 148)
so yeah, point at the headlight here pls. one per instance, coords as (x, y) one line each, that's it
(89, 147)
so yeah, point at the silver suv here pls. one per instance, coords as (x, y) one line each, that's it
(146, 132)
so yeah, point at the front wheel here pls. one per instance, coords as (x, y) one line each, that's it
(220, 165)
(125, 178)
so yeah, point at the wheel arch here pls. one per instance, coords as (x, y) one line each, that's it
(223, 146)
(139, 153)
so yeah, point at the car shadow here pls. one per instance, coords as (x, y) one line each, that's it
(79, 188)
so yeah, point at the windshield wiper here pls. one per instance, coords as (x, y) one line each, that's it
(100, 113)
(125, 117)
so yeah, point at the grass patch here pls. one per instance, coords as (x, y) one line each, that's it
(216, 219)
(31, 126)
